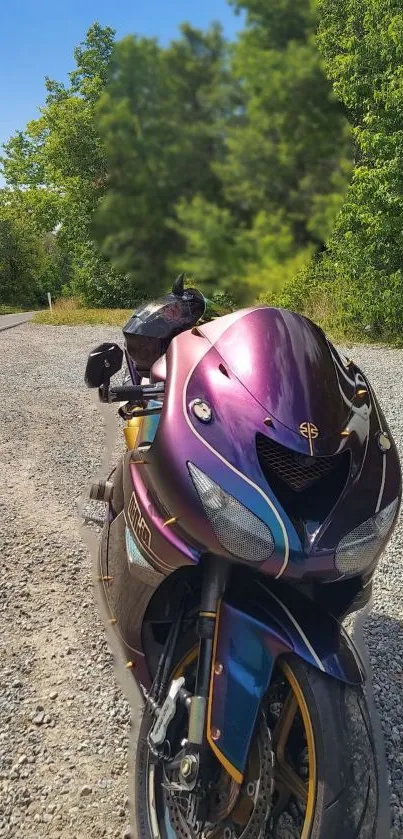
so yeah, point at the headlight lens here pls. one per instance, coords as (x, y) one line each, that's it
(238, 530)
(358, 549)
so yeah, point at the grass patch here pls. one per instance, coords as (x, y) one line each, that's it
(13, 310)
(68, 312)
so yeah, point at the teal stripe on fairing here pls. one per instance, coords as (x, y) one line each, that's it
(133, 553)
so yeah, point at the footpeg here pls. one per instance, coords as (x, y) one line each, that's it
(93, 519)
(158, 732)
(101, 490)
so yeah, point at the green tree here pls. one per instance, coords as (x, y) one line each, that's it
(130, 223)
(161, 121)
(59, 159)
(363, 49)
(240, 260)
(285, 163)
(290, 151)
(215, 252)
(27, 260)
(228, 160)
(358, 282)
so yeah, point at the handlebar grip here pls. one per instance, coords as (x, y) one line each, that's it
(131, 393)
(126, 393)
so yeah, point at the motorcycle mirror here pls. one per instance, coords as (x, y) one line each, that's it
(103, 362)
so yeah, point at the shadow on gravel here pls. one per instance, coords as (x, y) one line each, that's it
(383, 650)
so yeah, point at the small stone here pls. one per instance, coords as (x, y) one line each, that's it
(85, 790)
(23, 759)
(39, 718)
(53, 694)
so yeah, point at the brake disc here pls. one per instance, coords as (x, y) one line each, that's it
(246, 809)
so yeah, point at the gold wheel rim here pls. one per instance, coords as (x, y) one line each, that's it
(187, 659)
(295, 702)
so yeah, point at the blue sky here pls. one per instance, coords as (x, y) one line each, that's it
(37, 38)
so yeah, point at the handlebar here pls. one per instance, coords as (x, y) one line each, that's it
(131, 393)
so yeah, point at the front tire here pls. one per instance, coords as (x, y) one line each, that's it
(325, 778)
(342, 782)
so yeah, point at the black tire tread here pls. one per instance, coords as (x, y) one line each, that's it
(347, 789)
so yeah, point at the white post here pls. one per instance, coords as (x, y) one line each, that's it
(50, 301)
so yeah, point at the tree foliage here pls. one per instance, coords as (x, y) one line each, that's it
(56, 168)
(360, 276)
(286, 160)
(228, 160)
(30, 263)
(161, 120)
(289, 153)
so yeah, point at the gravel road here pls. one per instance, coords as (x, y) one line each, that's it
(65, 725)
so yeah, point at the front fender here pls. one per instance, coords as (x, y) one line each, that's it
(252, 630)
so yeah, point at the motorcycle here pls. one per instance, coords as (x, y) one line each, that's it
(244, 522)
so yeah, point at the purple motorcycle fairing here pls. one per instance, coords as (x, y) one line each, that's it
(257, 624)
(283, 360)
(225, 448)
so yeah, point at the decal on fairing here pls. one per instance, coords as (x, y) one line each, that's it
(138, 523)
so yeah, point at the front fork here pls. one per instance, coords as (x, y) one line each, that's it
(189, 762)
(215, 576)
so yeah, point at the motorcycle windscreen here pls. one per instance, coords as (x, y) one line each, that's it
(287, 365)
(152, 326)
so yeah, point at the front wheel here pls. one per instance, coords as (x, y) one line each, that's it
(311, 771)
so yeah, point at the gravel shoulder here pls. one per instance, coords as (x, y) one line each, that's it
(65, 725)
(63, 742)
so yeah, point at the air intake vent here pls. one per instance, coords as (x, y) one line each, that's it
(307, 487)
(297, 470)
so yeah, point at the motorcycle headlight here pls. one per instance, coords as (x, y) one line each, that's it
(358, 549)
(238, 530)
